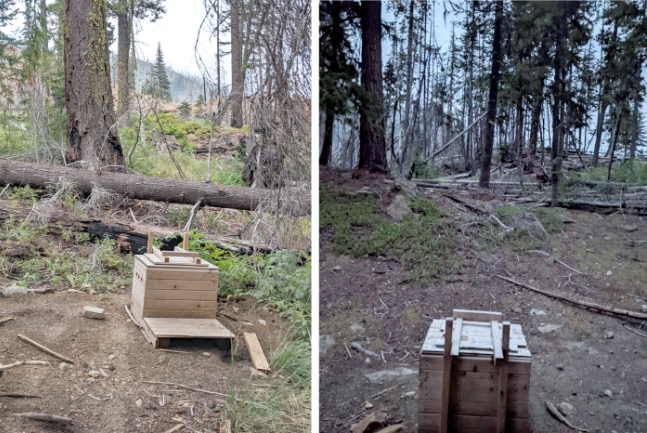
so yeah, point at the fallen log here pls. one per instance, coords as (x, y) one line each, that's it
(129, 238)
(141, 187)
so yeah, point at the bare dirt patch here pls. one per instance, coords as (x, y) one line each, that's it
(103, 390)
(589, 360)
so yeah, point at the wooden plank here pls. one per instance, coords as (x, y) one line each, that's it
(184, 304)
(428, 422)
(502, 398)
(207, 285)
(196, 295)
(175, 253)
(256, 352)
(497, 339)
(179, 314)
(187, 328)
(505, 338)
(203, 274)
(456, 337)
(477, 315)
(447, 374)
(177, 261)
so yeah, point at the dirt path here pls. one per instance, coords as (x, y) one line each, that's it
(588, 360)
(102, 391)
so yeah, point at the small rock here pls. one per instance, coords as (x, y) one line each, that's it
(516, 310)
(336, 268)
(609, 335)
(536, 312)
(206, 354)
(560, 367)
(380, 269)
(367, 361)
(408, 394)
(643, 308)
(566, 408)
(609, 273)
(629, 228)
(139, 402)
(399, 208)
(368, 405)
(544, 329)
(64, 366)
(607, 393)
(262, 322)
(94, 313)
(94, 374)
(356, 328)
(326, 342)
(111, 357)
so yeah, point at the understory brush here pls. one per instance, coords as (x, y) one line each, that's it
(423, 242)
(628, 171)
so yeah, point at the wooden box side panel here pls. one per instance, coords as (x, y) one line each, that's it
(428, 423)
(138, 290)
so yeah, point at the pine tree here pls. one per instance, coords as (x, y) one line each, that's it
(185, 110)
(157, 83)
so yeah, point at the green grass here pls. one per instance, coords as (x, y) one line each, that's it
(423, 243)
(101, 270)
(626, 171)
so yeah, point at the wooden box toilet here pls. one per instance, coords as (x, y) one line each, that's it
(474, 375)
(175, 295)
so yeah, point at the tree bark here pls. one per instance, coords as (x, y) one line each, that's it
(534, 125)
(123, 56)
(372, 143)
(237, 84)
(139, 187)
(486, 161)
(88, 95)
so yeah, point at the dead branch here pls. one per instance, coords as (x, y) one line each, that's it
(15, 395)
(556, 260)
(176, 427)
(4, 320)
(178, 385)
(585, 304)
(45, 349)
(38, 416)
(561, 418)
(194, 211)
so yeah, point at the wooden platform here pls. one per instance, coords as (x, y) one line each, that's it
(160, 330)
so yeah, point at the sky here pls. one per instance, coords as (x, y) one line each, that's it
(176, 31)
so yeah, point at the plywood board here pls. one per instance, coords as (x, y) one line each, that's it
(476, 315)
(187, 328)
(196, 295)
(208, 285)
(256, 352)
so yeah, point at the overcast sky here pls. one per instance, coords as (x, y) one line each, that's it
(176, 30)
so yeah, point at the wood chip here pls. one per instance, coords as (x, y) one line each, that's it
(557, 414)
(175, 428)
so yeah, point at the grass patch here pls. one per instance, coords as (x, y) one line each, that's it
(100, 269)
(422, 242)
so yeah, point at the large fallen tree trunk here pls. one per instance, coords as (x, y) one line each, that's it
(141, 187)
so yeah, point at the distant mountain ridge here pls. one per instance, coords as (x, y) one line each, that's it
(184, 87)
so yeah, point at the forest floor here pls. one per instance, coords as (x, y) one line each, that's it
(379, 287)
(268, 294)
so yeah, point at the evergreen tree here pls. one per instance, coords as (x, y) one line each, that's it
(157, 83)
(185, 110)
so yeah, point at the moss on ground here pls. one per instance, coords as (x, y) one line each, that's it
(423, 242)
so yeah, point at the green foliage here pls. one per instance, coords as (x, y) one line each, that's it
(281, 278)
(157, 84)
(185, 110)
(427, 170)
(423, 243)
(24, 193)
(630, 171)
(102, 270)
(149, 161)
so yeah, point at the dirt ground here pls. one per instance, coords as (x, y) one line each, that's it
(103, 390)
(596, 363)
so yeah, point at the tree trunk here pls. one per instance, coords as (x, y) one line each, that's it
(534, 125)
(123, 55)
(614, 143)
(598, 130)
(486, 161)
(237, 85)
(88, 95)
(326, 149)
(140, 187)
(372, 144)
(558, 94)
